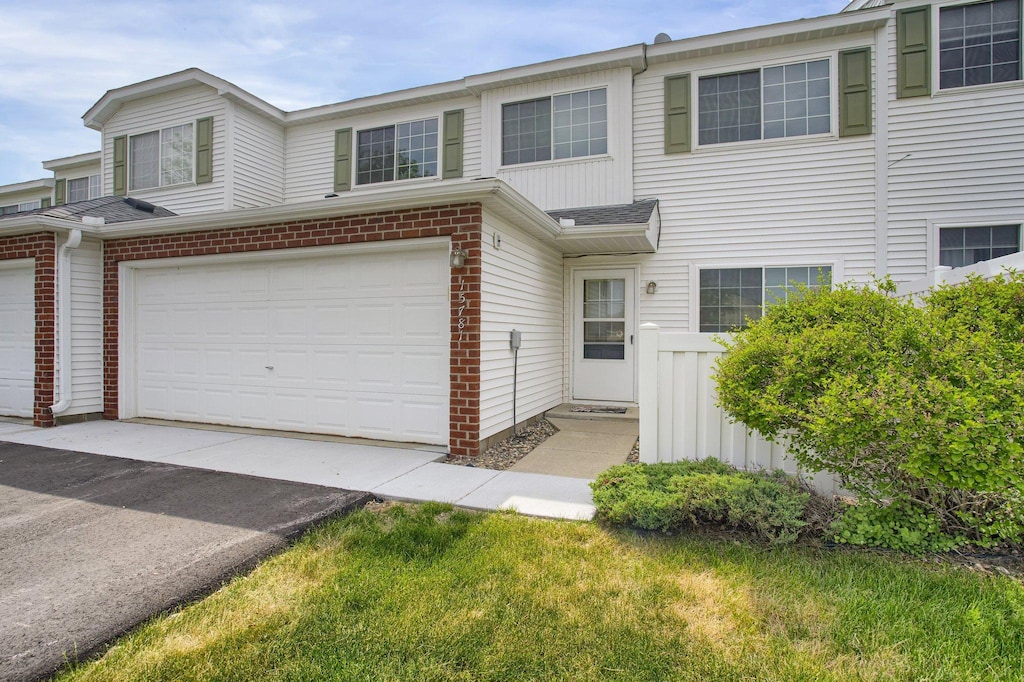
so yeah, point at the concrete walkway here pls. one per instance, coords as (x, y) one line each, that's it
(582, 448)
(388, 472)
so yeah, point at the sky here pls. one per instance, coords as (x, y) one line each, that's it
(57, 59)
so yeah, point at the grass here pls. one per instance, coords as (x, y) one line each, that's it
(431, 593)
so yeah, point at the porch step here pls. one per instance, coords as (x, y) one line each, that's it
(592, 412)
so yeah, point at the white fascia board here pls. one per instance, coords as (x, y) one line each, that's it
(491, 193)
(30, 224)
(27, 185)
(68, 162)
(100, 112)
(773, 34)
(427, 93)
(631, 56)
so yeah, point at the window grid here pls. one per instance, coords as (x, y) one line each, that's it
(729, 297)
(962, 246)
(417, 149)
(797, 99)
(158, 159)
(730, 107)
(176, 155)
(979, 43)
(526, 131)
(376, 154)
(144, 161)
(580, 123)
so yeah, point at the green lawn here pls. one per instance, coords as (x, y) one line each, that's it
(430, 593)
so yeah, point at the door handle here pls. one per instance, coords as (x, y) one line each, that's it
(631, 339)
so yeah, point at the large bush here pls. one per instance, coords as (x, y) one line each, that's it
(920, 410)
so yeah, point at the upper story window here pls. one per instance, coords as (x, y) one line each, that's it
(160, 158)
(776, 101)
(960, 246)
(979, 44)
(563, 126)
(397, 152)
(729, 297)
(83, 189)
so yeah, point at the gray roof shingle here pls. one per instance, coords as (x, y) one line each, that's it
(637, 213)
(111, 209)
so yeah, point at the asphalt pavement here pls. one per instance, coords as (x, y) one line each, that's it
(91, 545)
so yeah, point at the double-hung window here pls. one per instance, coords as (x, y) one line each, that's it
(960, 246)
(729, 297)
(979, 43)
(160, 158)
(397, 152)
(775, 101)
(83, 189)
(563, 126)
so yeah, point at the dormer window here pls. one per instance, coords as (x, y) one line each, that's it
(160, 158)
(83, 189)
(397, 152)
(564, 126)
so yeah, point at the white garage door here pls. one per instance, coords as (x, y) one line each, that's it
(17, 339)
(353, 345)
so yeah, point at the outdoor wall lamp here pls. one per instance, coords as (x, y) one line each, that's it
(458, 258)
(652, 287)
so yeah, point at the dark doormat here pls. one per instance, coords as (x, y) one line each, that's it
(598, 409)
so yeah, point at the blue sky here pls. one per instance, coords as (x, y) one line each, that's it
(57, 59)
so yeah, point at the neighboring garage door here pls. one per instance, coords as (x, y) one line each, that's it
(17, 339)
(354, 344)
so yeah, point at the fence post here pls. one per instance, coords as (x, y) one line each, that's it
(649, 392)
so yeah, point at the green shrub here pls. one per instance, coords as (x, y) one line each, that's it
(918, 406)
(669, 497)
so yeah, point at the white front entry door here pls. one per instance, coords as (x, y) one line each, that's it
(604, 335)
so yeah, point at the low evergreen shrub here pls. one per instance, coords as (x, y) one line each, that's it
(671, 496)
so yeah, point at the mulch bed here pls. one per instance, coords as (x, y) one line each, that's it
(503, 455)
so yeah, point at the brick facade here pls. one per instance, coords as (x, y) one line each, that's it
(461, 222)
(43, 247)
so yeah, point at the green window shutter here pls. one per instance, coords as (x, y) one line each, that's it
(204, 150)
(120, 166)
(855, 92)
(343, 160)
(677, 114)
(60, 192)
(452, 167)
(44, 202)
(913, 52)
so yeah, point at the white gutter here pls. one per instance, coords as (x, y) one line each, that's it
(64, 321)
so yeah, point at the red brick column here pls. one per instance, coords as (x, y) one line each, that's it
(43, 247)
(462, 222)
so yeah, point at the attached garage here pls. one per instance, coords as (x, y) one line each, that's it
(17, 337)
(347, 340)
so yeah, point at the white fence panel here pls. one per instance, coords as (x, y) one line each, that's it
(679, 415)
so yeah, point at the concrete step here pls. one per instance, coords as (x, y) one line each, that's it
(566, 411)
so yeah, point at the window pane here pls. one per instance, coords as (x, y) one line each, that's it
(579, 124)
(416, 149)
(960, 246)
(730, 107)
(806, 96)
(375, 155)
(979, 43)
(78, 190)
(727, 296)
(144, 161)
(176, 155)
(521, 122)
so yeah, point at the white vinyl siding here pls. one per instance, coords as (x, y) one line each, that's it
(258, 169)
(797, 201)
(953, 160)
(567, 183)
(521, 288)
(163, 111)
(309, 156)
(86, 329)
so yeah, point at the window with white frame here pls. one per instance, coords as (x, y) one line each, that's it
(83, 189)
(775, 101)
(161, 158)
(397, 152)
(563, 126)
(961, 246)
(18, 208)
(730, 297)
(979, 43)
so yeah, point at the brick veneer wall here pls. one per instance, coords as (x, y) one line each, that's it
(461, 222)
(42, 246)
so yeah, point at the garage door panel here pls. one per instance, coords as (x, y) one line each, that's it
(358, 344)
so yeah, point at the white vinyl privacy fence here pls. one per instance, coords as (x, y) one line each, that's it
(679, 415)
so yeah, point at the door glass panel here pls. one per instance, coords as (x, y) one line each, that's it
(604, 323)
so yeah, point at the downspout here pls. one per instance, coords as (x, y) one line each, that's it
(64, 321)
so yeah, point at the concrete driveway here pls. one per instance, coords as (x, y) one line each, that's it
(91, 546)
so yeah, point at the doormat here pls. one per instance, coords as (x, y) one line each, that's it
(598, 409)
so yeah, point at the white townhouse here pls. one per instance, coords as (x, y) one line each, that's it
(358, 268)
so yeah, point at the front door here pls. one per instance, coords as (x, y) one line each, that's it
(604, 335)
